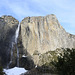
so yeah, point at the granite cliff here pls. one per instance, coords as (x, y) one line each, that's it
(8, 25)
(44, 34)
(40, 40)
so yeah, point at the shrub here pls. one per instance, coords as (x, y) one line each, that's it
(66, 63)
(1, 71)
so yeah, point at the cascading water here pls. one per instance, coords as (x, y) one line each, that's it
(17, 33)
(11, 54)
(16, 38)
(15, 70)
(14, 43)
(11, 57)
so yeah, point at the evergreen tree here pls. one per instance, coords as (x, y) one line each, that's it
(66, 63)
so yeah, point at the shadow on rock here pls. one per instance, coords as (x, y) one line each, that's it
(27, 63)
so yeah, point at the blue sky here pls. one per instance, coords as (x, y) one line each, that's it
(63, 9)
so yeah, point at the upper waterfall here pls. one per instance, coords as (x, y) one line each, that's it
(17, 33)
(16, 38)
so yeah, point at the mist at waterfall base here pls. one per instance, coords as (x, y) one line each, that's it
(15, 70)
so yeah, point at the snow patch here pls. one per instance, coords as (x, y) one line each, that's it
(36, 66)
(24, 56)
(15, 71)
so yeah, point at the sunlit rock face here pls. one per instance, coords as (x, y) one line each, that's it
(37, 38)
(42, 34)
(8, 25)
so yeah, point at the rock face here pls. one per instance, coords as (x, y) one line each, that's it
(40, 40)
(8, 26)
(42, 34)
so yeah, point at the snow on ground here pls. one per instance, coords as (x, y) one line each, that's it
(15, 71)
(24, 56)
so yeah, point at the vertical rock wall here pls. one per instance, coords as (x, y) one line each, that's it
(8, 26)
(43, 34)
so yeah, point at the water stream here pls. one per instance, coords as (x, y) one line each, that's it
(14, 43)
(11, 54)
(17, 33)
(16, 38)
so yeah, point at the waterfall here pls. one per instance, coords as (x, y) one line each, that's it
(17, 33)
(14, 43)
(11, 54)
(16, 38)
(11, 57)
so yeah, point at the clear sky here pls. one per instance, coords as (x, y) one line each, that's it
(63, 9)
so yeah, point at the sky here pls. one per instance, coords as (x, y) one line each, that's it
(63, 9)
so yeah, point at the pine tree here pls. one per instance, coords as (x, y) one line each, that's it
(66, 63)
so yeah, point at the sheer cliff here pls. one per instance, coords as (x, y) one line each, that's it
(8, 25)
(40, 40)
(42, 34)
